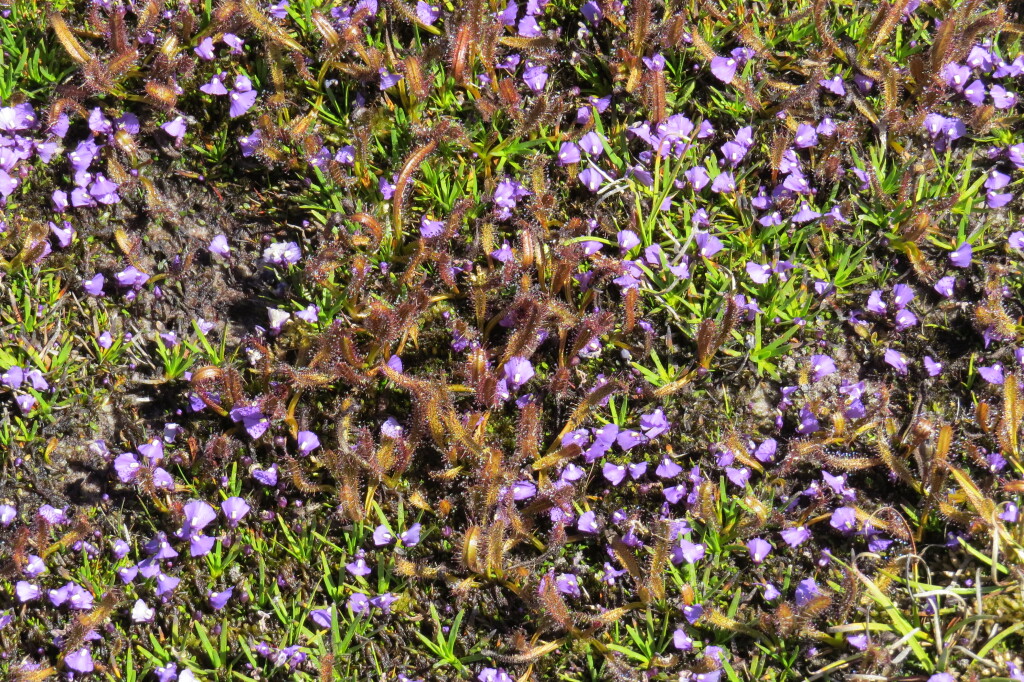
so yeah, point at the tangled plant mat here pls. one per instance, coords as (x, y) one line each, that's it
(505, 340)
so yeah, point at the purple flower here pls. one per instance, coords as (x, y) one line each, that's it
(697, 177)
(808, 421)
(160, 548)
(613, 473)
(654, 423)
(219, 246)
(932, 366)
(427, 13)
(738, 476)
(26, 591)
(234, 508)
(253, 420)
(234, 42)
(806, 136)
(282, 254)
(655, 63)
(844, 519)
(79, 661)
(13, 377)
(707, 244)
(1010, 513)
(724, 68)
(805, 214)
(961, 257)
(165, 584)
(523, 490)
(822, 366)
(627, 240)
(278, 11)
(535, 77)
(827, 128)
(765, 452)
(587, 523)
(838, 485)
(215, 86)
(905, 319)
(955, 75)
(1002, 98)
(391, 428)
(902, 295)
(26, 403)
(127, 467)
(567, 583)
(568, 153)
(591, 143)
(358, 567)
(495, 674)
(387, 79)
(411, 537)
(975, 93)
(723, 183)
(7, 515)
(674, 494)
(59, 199)
(359, 603)
(7, 184)
(571, 473)
(517, 371)
(382, 536)
(38, 381)
(733, 153)
(321, 617)
(668, 468)
(242, 96)
(162, 479)
(308, 442)
(131, 277)
(995, 199)
(250, 143)
(897, 360)
(693, 613)
(529, 28)
(759, 549)
(198, 515)
(690, 552)
(219, 600)
(267, 477)
(384, 601)
(64, 234)
(508, 193)
(205, 49)
(201, 545)
(591, 179)
(806, 590)
(834, 85)
(794, 537)
(127, 574)
(944, 287)
(993, 374)
(759, 274)
(629, 439)
(681, 640)
(591, 11)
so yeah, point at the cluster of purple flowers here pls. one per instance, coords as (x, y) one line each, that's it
(23, 382)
